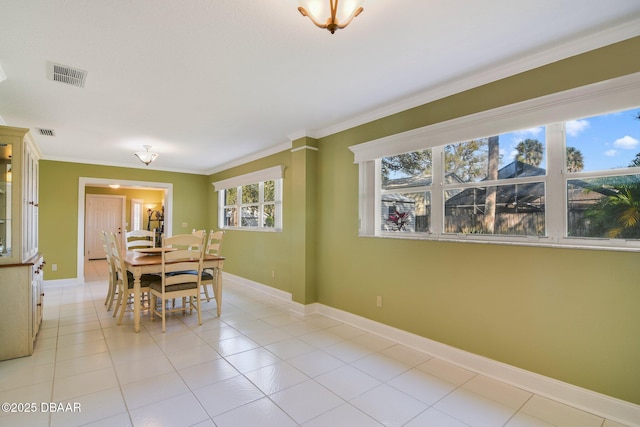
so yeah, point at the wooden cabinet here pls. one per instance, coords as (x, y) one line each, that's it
(21, 266)
(21, 299)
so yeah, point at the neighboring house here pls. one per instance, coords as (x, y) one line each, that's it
(509, 197)
(402, 213)
(520, 208)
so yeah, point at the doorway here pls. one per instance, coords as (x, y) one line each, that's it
(167, 188)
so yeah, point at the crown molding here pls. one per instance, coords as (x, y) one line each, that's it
(256, 156)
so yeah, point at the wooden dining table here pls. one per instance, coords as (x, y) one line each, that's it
(139, 263)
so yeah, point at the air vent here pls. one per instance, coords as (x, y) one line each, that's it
(66, 74)
(46, 132)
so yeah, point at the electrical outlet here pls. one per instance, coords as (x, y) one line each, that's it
(379, 301)
(185, 225)
(273, 274)
(54, 267)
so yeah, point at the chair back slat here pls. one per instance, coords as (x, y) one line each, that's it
(140, 239)
(183, 264)
(214, 243)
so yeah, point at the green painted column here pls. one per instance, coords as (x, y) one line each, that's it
(304, 156)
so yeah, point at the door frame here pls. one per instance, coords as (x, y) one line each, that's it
(167, 187)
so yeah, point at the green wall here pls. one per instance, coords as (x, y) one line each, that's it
(58, 206)
(564, 313)
(256, 255)
(568, 314)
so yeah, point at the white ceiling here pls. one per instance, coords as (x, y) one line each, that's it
(211, 83)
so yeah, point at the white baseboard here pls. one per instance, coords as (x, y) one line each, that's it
(577, 397)
(62, 282)
(276, 293)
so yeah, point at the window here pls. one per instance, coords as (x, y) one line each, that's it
(603, 176)
(252, 201)
(573, 182)
(136, 214)
(496, 185)
(406, 192)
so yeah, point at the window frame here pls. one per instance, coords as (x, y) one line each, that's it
(259, 178)
(600, 98)
(137, 216)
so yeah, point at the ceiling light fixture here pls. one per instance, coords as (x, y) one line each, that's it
(146, 157)
(341, 15)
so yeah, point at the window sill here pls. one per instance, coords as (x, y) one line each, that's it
(544, 242)
(258, 229)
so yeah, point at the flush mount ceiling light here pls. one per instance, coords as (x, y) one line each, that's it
(146, 157)
(340, 13)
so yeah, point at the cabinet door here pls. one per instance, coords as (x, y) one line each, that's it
(37, 297)
(30, 203)
(18, 195)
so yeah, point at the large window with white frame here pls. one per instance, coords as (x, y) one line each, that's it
(252, 201)
(573, 182)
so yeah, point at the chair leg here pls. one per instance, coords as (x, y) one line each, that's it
(198, 308)
(109, 294)
(206, 292)
(118, 304)
(112, 295)
(152, 309)
(164, 325)
(123, 308)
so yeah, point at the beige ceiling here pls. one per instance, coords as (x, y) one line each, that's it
(211, 83)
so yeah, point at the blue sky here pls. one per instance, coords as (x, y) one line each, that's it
(607, 142)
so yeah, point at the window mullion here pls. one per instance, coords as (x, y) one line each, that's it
(371, 198)
(261, 204)
(556, 193)
(437, 191)
(239, 209)
(279, 211)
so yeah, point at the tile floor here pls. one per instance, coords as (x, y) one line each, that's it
(256, 365)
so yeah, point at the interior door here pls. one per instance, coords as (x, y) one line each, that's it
(103, 212)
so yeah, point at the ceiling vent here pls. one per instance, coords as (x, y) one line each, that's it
(46, 132)
(66, 74)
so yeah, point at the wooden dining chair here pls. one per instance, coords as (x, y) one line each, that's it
(140, 239)
(112, 290)
(124, 279)
(210, 275)
(180, 276)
